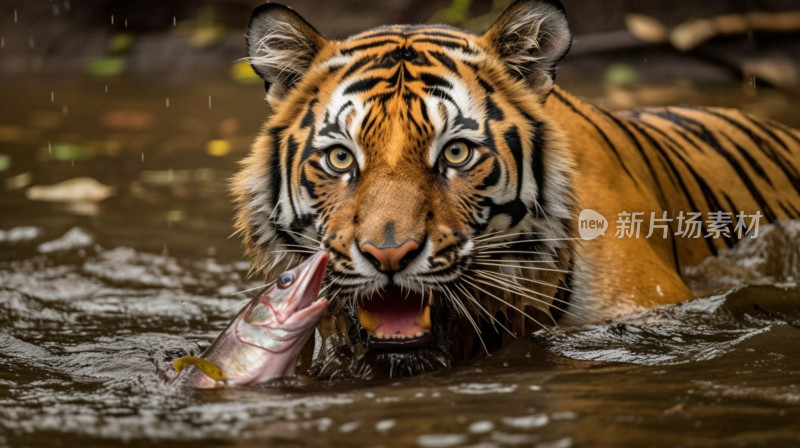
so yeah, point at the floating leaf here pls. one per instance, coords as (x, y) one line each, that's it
(121, 43)
(242, 72)
(210, 369)
(65, 152)
(207, 35)
(106, 66)
(218, 148)
(621, 74)
(5, 162)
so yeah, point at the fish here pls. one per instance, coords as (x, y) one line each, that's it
(265, 338)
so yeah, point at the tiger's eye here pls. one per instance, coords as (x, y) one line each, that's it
(457, 153)
(340, 159)
(285, 280)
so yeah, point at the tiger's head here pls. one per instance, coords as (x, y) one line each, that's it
(422, 159)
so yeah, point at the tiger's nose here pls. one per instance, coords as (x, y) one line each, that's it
(390, 258)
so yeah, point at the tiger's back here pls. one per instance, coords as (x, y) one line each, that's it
(671, 162)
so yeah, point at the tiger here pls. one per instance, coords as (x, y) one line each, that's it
(445, 173)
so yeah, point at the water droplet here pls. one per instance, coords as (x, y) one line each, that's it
(31, 43)
(65, 110)
(167, 102)
(174, 21)
(126, 23)
(49, 147)
(2, 43)
(142, 156)
(209, 101)
(106, 88)
(56, 10)
(15, 16)
(52, 96)
(67, 5)
(112, 19)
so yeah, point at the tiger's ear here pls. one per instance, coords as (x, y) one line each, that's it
(531, 36)
(281, 46)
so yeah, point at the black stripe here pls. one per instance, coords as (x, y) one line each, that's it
(701, 132)
(362, 85)
(511, 137)
(445, 61)
(366, 46)
(276, 173)
(492, 111)
(433, 80)
(659, 188)
(676, 174)
(537, 163)
(610, 145)
(784, 165)
(457, 45)
(355, 66)
(493, 177)
(486, 86)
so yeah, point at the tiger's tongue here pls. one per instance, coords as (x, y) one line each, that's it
(394, 314)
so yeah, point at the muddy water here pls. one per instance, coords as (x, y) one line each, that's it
(98, 297)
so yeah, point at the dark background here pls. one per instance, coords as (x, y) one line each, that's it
(183, 39)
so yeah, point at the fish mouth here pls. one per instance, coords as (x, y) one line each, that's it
(396, 319)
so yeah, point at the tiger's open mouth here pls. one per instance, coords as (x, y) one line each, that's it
(396, 319)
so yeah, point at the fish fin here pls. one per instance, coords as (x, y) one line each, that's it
(210, 369)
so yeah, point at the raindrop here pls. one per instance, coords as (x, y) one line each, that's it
(112, 19)
(126, 23)
(2, 43)
(52, 96)
(56, 10)
(174, 21)
(66, 5)
(49, 147)
(209, 101)
(31, 42)
(15, 16)
(106, 88)
(73, 163)
(167, 102)
(142, 156)
(65, 110)
(753, 81)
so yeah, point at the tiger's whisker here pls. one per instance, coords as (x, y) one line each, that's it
(538, 282)
(533, 268)
(476, 303)
(521, 291)
(507, 304)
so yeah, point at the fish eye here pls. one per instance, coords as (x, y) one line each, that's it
(340, 159)
(285, 280)
(457, 153)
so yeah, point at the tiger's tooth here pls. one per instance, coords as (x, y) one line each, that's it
(368, 320)
(424, 319)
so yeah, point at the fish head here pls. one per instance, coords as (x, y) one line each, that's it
(291, 304)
